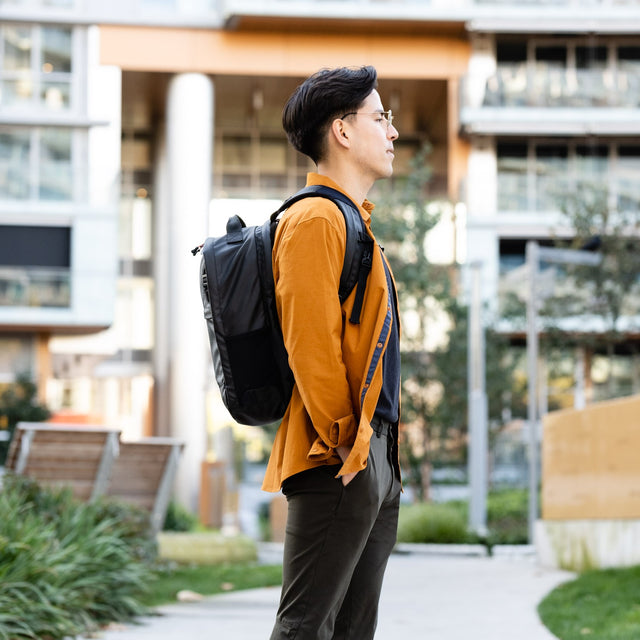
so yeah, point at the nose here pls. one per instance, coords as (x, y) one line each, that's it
(392, 132)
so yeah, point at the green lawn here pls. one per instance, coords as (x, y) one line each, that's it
(603, 605)
(209, 580)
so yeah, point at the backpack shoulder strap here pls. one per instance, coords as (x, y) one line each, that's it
(359, 245)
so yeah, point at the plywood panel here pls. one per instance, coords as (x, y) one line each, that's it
(591, 462)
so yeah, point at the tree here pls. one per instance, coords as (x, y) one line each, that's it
(434, 382)
(606, 297)
(18, 402)
(402, 222)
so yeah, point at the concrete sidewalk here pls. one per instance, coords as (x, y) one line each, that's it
(424, 597)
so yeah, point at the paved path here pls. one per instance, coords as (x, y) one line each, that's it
(425, 597)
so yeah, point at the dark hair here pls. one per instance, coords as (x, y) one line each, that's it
(327, 94)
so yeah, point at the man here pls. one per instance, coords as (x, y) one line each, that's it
(335, 453)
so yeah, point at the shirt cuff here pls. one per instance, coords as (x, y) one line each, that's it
(340, 433)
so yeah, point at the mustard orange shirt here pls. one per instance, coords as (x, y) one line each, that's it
(337, 365)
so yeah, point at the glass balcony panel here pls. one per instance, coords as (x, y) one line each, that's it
(549, 86)
(591, 89)
(508, 87)
(628, 192)
(59, 4)
(625, 179)
(512, 191)
(512, 176)
(56, 50)
(56, 179)
(14, 165)
(555, 87)
(592, 161)
(35, 287)
(557, 3)
(552, 176)
(17, 44)
(550, 191)
(628, 76)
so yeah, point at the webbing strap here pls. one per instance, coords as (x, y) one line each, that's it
(363, 274)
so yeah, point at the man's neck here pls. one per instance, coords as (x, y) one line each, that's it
(353, 183)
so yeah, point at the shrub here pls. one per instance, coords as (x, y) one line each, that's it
(67, 567)
(507, 513)
(433, 523)
(178, 518)
(447, 522)
(19, 401)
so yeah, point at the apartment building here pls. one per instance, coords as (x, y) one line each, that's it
(146, 122)
(551, 101)
(59, 185)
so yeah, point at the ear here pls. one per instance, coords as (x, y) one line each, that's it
(339, 133)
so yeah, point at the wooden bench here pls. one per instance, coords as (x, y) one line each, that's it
(79, 457)
(143, 475)
(92, 461)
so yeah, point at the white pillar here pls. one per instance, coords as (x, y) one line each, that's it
(189, 158)
(161, 292)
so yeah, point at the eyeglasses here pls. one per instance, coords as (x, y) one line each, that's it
(387, 116)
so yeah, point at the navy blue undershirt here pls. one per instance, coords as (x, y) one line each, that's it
(389, 401)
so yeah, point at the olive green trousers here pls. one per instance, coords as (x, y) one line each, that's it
(337, 543)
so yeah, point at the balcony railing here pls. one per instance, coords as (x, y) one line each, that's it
(559, 3)
(35, 287)
(570, 88)
(525, 193)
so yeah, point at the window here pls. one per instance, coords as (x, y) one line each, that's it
(55, 164)
(592, 162)
(17, 355)
(511, 78)
(591, 57)
(628, 77)
(36, 67)
(35, 266)
(511, 52)
(552, 176)
(626, 178)
(549, 80)
(14, 164)
(534, 176)
(512, 176)
(36, 163)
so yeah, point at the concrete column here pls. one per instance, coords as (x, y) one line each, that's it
(162, 292)
(189, 139)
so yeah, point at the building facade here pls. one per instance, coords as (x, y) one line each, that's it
(59, 184)
(130, 130)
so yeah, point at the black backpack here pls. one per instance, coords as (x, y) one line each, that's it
(238, 294)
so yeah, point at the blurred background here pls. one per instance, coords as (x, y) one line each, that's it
(130, 131)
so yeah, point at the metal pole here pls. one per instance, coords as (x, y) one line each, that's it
(478, 419)
(533, 260)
